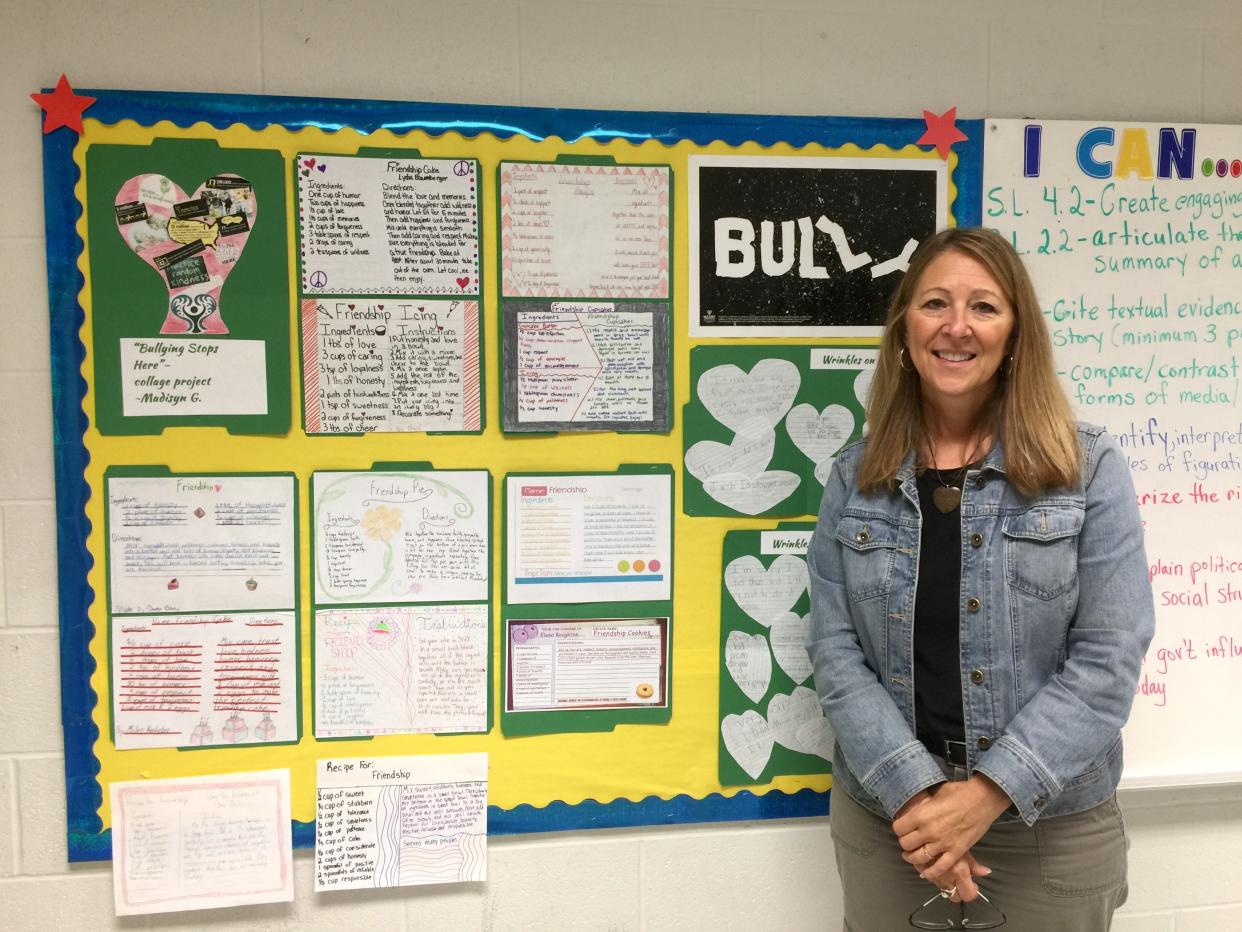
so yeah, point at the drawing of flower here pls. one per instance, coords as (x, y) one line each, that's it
(381, 522)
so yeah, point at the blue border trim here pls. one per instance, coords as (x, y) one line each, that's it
(83, 793)
(562, 817)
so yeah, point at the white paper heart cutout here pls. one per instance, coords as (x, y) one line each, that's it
(787, 714)
(790, 633)
(746, 456)
(819, 435)
(752, 496)
(750, 403)
(816, 737)
(766, 594)
(823, 469)
(749, 663)
(191, 241)
(748, 740)
(862, 384)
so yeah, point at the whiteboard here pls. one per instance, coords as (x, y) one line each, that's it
(1133, 235)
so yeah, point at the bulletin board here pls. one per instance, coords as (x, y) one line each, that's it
(242, 230)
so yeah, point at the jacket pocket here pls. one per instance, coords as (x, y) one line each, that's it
(1041, 550)
(868, 549)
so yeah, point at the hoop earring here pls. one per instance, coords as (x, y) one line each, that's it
(901, 361)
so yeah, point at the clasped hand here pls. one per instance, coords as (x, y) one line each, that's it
(936, 829)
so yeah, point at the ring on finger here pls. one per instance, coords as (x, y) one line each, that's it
(950, 892)
(928, 857)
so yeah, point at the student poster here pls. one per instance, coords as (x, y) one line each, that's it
(402, 583)
(588, 538)
(765, 424)
(388, 253)
(792, 246)
(595, 663)
(585, 254)
(771, 721)
(202, 610)
(201, 842)
(599, 365)
(188, 287)
(400, 821)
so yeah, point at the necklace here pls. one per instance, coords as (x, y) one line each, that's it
(948, 496)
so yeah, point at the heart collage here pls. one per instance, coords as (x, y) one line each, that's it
(758, 407)
(770, 667)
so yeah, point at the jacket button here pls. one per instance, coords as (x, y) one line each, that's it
(976, 676)
(976, 540)
(864, 535)
(1040, 802)
(984, 743)
(973, 604)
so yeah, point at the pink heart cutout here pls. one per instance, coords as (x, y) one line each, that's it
(191, 241)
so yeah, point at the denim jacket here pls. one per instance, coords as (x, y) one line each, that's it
(1056, 614)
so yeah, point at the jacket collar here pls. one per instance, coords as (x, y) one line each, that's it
(994, 461)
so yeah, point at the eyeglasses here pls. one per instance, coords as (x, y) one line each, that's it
(941, 913)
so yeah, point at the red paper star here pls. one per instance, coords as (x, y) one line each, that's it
(62, 107)
(942, 131)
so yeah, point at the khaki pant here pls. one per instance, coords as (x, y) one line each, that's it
(1064, 874)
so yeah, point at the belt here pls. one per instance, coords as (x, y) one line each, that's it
(954, 752)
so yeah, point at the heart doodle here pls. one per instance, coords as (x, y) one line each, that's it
(766, 594)
(192, 242)
(462, 282)
(749, 663)
(750, 403)
(748, 739)
(790, 634)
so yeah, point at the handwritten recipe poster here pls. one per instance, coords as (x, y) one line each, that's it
(598, 365)
(201, 842)
(388, 226)
(584, 231)
(386, 543)
(202, 609)
(401, 821)
(394, 366)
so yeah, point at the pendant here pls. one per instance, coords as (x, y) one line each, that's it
(947, 498)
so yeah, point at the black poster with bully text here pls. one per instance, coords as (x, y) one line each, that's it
(805, 246)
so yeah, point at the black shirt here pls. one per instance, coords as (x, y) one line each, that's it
(937, 614)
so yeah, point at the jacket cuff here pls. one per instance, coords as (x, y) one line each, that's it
(902, 774)
(1017, 771)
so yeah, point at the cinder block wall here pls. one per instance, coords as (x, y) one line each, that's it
(1109, 59)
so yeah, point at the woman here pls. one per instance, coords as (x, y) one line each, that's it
(980, 611)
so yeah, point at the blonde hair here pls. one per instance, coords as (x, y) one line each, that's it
(1029, 411)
